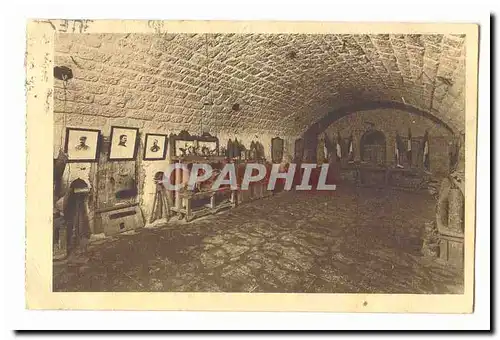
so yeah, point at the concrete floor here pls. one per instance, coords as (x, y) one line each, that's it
(352, 240)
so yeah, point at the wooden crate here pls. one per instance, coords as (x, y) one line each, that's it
(451, 249)
(121, 220)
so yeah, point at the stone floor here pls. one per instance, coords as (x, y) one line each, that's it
(351, 240)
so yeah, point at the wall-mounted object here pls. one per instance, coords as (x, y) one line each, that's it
(63, 73)
(115, 182)
(259, 151)
(299, 150)
(115, 186)
(155, 147)
(238, 148)
(322, 150)
(425, 152)
(229, 149)
(208, 145)
(184, 145)
(82, 145)
(339, 147)
(277, 147)
(412, 158)
(256, 151)
(123, 143)
(349, 142)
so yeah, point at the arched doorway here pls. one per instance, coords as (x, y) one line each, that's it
(313, 132)
(373, 147)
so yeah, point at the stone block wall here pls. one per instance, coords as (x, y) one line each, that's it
(123, 82)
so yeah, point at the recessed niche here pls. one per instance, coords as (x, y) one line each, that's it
(291, 55)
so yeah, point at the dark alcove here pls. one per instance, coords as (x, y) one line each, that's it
(373, 147)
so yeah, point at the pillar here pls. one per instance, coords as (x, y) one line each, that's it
(451, 244)
(456, 211)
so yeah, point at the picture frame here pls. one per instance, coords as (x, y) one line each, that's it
(181, 143)
(123, 143)
(155, 147)
(208, 145)
(82, 144)
(186, 145)
(277, 148)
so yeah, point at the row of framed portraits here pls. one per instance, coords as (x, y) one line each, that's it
(83, 145)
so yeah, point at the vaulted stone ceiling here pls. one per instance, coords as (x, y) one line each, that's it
(283, 83)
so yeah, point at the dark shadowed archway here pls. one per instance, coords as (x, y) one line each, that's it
(310, 136)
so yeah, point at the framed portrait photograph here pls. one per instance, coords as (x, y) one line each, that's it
(155, 147)
(82, 145)
(123, 143)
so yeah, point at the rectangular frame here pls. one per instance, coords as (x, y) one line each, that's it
(97, 147)
(136, 144)
(186, 137)
(165, 145)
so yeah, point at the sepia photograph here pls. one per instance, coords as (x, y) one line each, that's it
(123, 145)
(331, 165)
(155, 147)
(82, 144)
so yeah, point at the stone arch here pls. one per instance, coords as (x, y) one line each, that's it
(336, 114)
(310, 136)
(79, 184)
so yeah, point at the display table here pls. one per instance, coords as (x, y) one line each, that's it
(372, 176)
(256, 190)
(350, 173)
(190, 205)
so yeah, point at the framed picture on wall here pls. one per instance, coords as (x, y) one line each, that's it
(277, 145)
(208, 145)
(155, 147)
(184, 147)
(123, 145)
(82, 145)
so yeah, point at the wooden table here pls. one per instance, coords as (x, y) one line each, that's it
(365, 171)
(414, 179)
(184, 205)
